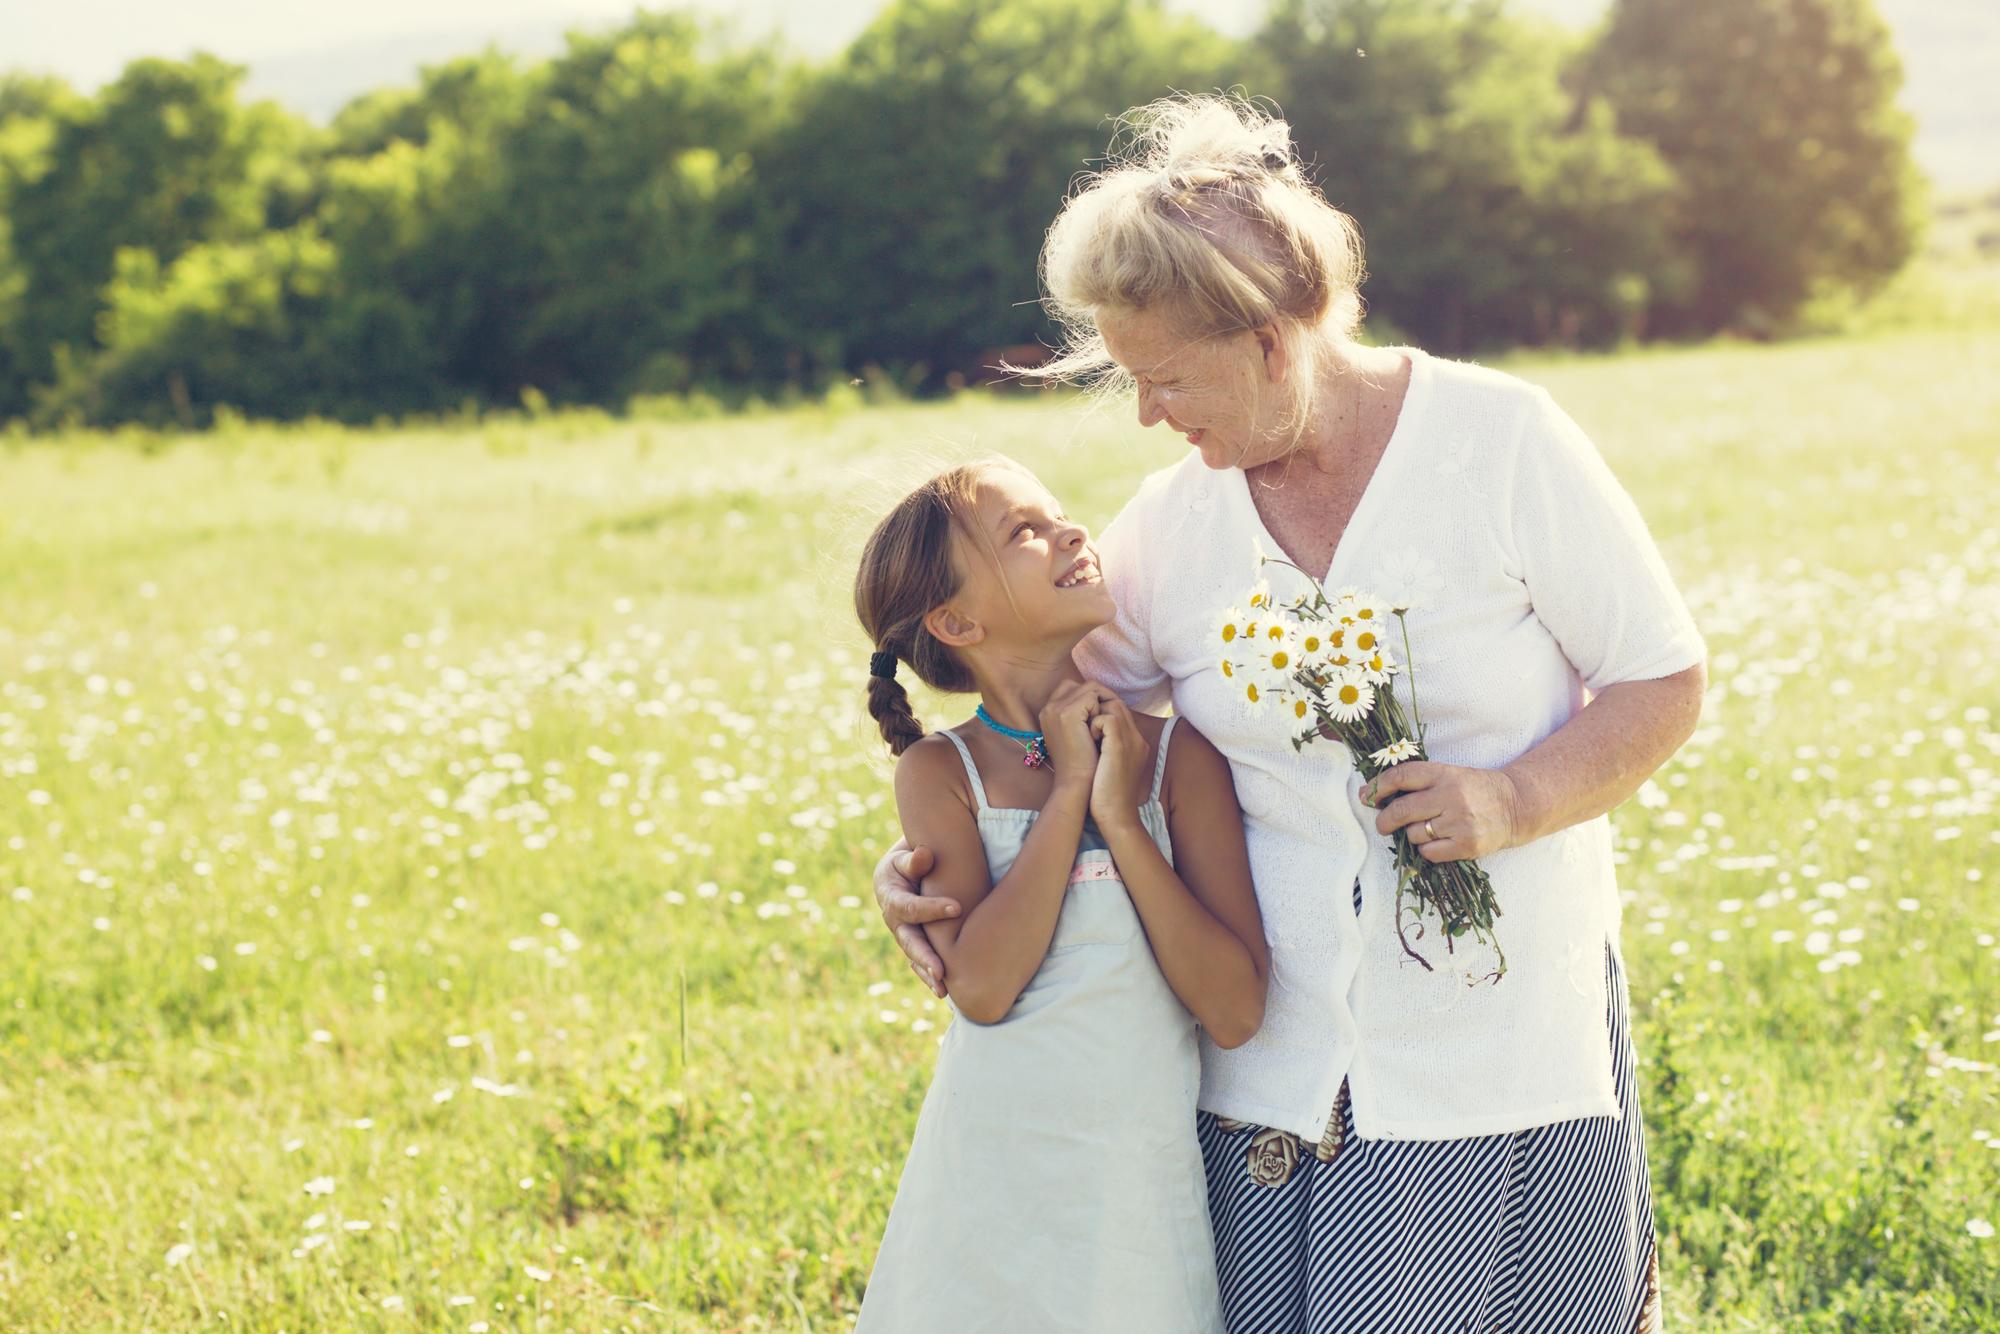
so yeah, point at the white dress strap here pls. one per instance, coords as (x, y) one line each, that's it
(971, 769)
(1160, 763)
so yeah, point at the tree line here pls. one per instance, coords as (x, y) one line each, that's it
(661, 209)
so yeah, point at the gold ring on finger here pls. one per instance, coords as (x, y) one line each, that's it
(1430, 834)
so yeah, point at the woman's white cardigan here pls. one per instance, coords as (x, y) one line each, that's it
(1534, 581)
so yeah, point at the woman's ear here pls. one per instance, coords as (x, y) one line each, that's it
(1276, 360)
(951, 627)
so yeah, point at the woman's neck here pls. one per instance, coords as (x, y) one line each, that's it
(1357, 388)
(1015, 694)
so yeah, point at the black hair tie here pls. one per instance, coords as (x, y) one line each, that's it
(882, 664)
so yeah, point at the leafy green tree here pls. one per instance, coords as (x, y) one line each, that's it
(30, 107)
(163, 159)
(910, 194)
(1780, 118)
(415, 198)
(620, 258)
(1495, 207)
(237, 322)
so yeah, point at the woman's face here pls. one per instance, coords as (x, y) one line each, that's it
(1215, 391)
(1031, 577)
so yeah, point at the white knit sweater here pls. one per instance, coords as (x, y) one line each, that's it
(1533, 580)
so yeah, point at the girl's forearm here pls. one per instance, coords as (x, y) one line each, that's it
(1214, 973)
(1601, 756)
(1005, 937)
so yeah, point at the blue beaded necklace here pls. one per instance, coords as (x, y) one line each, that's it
(1037, 756)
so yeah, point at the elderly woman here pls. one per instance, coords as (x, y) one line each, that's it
(1397, 1148)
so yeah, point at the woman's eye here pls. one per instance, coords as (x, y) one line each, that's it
(1022, 528)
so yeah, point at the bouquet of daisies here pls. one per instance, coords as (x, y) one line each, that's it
(1326, 664)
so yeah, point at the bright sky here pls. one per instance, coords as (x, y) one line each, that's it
(315, 54)
(89, 41)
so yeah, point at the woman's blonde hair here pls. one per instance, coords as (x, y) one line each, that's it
(1202, 213)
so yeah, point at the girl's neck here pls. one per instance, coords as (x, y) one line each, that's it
(1015, 698)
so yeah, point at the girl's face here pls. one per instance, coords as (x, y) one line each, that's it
(1208, 389)
(1031, 577)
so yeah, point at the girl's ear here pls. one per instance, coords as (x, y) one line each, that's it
(949, 626)
(1272, 347)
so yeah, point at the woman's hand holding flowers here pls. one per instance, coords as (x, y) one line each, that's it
(1448, 812)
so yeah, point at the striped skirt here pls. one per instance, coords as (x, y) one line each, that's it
(1547, 1229)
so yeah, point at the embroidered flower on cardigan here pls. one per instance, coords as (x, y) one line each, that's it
(1408, 577)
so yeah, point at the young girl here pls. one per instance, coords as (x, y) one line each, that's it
(1104, 908)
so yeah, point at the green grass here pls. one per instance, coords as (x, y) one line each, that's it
(341, 770)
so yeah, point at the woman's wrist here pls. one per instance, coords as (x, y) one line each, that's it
(1525, 812)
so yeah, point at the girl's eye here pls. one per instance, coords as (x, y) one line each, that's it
(1018, 531)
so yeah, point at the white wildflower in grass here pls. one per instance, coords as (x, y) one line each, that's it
(319, 1186)
(178, 1253)
(1979, 1227)
(537, 1274)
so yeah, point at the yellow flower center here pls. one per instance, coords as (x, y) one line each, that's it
(1253, 692)
(1229, 632)
(1312, 643)
(1298, 708)
(1365, 641)
(1350, 694)
(1280, 660)
(1228, 667)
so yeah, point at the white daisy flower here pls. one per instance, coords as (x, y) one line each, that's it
(1396, 752)
(1255, 698)
(1229, 623)
(1260, 597)
(1277, 652)
(1350, 699)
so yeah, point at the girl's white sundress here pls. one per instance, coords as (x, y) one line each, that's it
(1055, 1182)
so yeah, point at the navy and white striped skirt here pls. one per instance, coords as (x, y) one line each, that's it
(1547, 1229)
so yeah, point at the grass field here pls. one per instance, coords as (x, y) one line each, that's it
(433, 865)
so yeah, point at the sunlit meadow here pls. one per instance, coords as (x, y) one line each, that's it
(433, 864)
